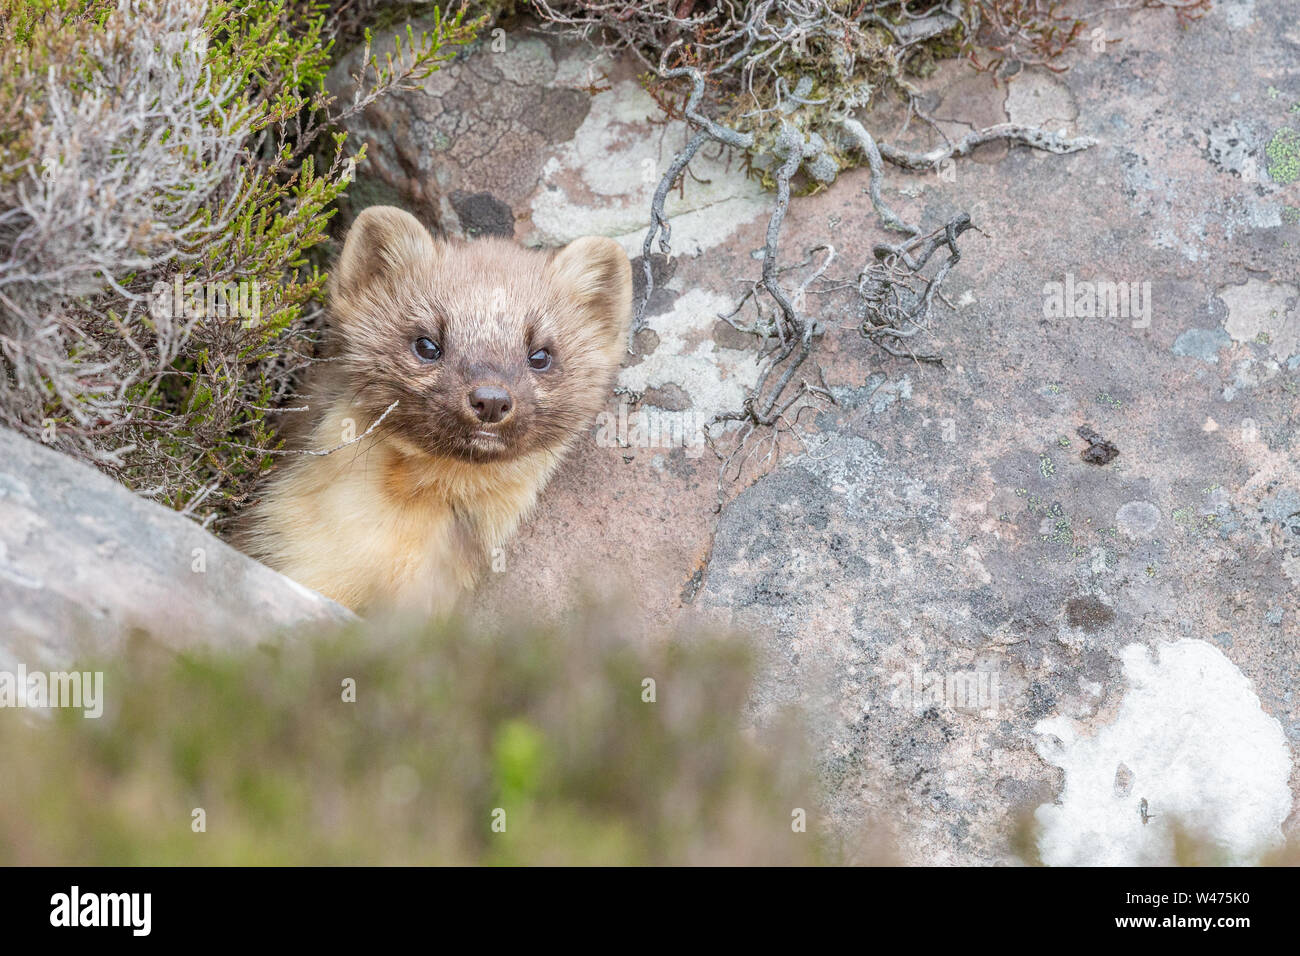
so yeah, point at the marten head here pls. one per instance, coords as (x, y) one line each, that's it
(492, 351)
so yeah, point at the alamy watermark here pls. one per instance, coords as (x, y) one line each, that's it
(75, 908)
(653, 427)
(1102, 299)
(83, 690)
(179, 299)
(974, 691)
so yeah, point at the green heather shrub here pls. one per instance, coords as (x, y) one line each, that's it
(551, 726)
(166, 168)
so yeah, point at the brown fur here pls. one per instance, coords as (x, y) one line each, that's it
(410, 514)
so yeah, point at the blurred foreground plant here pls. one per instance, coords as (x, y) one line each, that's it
(549, 732)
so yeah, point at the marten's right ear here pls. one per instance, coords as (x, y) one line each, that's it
(383, 243)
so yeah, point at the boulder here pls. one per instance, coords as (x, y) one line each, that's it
(85, 564)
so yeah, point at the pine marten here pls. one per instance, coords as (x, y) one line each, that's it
(497, 358)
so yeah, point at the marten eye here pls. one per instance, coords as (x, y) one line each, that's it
(426, 349)
(540, 360)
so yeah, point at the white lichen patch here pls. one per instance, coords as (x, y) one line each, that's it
(717, 379)
(1195, 744)
(1249, 374)
(1239, 14)
(618, 155)
(1263, 312)
(1137, 519)
(525, 61)
(1291, 568)
(1042, 100)
(582, 68)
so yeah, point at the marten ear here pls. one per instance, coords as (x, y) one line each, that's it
(595, 271)
(383, 243)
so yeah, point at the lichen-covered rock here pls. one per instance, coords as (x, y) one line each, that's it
(543, 139)
(932, 564)
(85, 564)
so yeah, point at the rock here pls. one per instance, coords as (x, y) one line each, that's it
(1123, 780)
(1088, 613)
(908, 546)
(536, 139)
(472, 140)
(85, 564)
(1099, 450)
(712, 378)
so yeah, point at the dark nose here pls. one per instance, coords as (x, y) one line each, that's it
(491, 403)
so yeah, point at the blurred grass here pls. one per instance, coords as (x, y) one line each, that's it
(448, 726)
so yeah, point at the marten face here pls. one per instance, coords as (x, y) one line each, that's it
(491, 351)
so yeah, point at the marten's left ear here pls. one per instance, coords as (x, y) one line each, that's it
(596, 272)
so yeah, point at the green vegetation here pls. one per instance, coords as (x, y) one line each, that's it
(556, 728)
(1283, 153)
(149, 154)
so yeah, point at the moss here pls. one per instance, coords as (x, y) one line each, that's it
(1062, 533)
(1283, 153)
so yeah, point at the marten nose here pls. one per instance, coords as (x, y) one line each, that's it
(491, 403)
